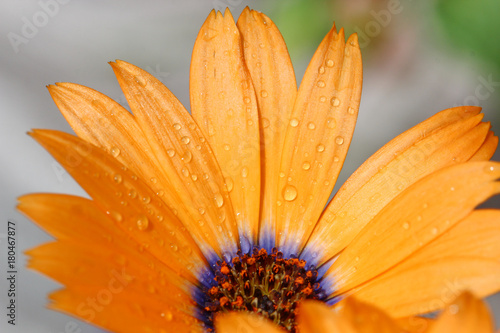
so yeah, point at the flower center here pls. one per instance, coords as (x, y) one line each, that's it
(262, 283)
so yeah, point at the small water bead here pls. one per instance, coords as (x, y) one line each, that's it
(406, 225)
(335, 101)
(185, 172)
(326, 183)
(321, 70)
(351, 110)
(311, 126)
(116, 216)
(142, 222)
(174, 247)
(454, 309)
(306, 166)
(170, 152)
(264, 93)
(118, 178)
(320, 148)
(321, 84)
(331, 123)
(201, 210)
(115, 151)
(489, 169)
(154, 180)
(250, 122)
(329, 63)
(339, 140)
(194, 177)
(132, 193)
(219, 200)
(177, 126)
(140, 80)
(244, 172)
(434, 231)
(247, 100)
(201, 223)
(187, 157)
(146, 199)
(322, 99)
(185, 140)
(289, 193)
(198, 147)
(227, 147)
(265, 123)
(229, 184)
(168, 316)
(294, 122)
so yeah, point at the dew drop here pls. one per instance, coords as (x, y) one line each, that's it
(326, 183)
(320, 148)
(294, 122)
(329, 63)
(201, 210)
(406, 225)
(198, 147)
(185, 172)
(335, 101)
(265, 122)
(170, 152)
(185, 140)
(244, 172)
(177, 126)
(174, 247)
(454, 308)
(219, 200)
(289, 193)
(229, 184)
(116, 216)
(322, 99)
(247, 100)
(194, 177)
(351, 110)
(132, 193)
(339, 140)
(187, 157)
(321, 84)
(154, 180)
(142, 222)
(201, 223)
(331, 123)
(306, 166)
(434, 231)
(140, 80)
(118, 178)
(168, 316)
(146, 199)
(321, 70)
(311, 126)
(489, 169)
(263, 93)
(227, 147)
(279, 203)
(282, 175)
(115, 151)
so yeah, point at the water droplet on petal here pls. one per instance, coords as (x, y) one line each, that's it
(168, 316)
(118, 178)
(339, 140)
(187, 157)
(201, 210)
(227, 147)
(194, 177)
(321, 84)
(229, 184)
(263, 93)
(320, 148)
(329, 63)
(434, 231)
(311, 126)
(247, 100)
(454, 309)
(219, 200)
(265, 122)
(335, 101)
(489, 169)
(140, 80)
(321, 70)
(116, 216)
(115, 151)
(406, 225)
(306, 166)
(170, 152)
(146, 199)
(142, 222)
(244, 172)
(351, 110)
(322, 99)
(185, 140)
(132, 193)
(294, 122)
(331, 123)
(185, 172)
(289, 193)
(177, 126)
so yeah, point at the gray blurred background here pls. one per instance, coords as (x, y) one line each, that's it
(419, 57)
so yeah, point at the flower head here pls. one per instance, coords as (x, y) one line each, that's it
(191, 216)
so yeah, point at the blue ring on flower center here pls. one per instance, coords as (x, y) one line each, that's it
(258, 282)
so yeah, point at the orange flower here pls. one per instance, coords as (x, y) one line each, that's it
(190, 216)
(465, 314)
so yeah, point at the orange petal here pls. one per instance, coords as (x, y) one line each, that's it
(318, 136)
(350, 316)
(487, 150)
(185, 156)
(464, 257)
(466, 314)
(223, 103)
(417, 216)
(122, 311)
(132, 205)
(244, 322)
(270, 67)
(450, 137)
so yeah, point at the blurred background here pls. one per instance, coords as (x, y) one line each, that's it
(419, 57)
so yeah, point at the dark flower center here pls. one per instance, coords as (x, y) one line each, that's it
(262, 283)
